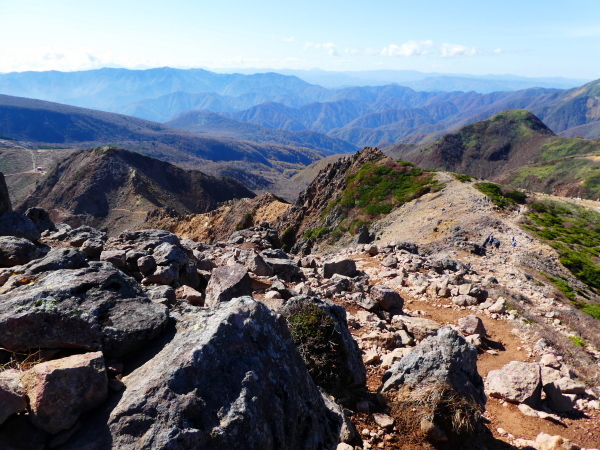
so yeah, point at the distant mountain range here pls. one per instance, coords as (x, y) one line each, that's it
(257, 165)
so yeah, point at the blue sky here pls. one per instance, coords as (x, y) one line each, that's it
(525, 37)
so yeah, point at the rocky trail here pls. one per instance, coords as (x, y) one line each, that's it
(420, 339)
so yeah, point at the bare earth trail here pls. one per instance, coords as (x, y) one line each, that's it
(463, 211)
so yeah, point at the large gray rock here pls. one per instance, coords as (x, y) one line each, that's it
(418, 327)
(349, 372)
(342, 266)
(471, 324)
(229, 379)
(41, 219)
(166, 253)
(18, 225)
(12, 399)
(60, 390)
(257, 265)
(16, 251)
(558, 400)
(284, 268)
(79, 235)
(148, 239)
(447, 359)
(92, 308)
(56, 259)
(387, 298)
(516, 382)
(226, 283)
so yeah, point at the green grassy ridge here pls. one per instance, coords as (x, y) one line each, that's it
(500, 195)
(543, 177)
(574, 232)
(372, 191)
(560, 147)
(377, 188)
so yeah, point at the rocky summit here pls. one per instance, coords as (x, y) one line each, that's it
(388, 307)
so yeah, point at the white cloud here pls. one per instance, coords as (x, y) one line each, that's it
(330, 47)
(47, 57)
(410, 48)
(457, 50)
(288, 39)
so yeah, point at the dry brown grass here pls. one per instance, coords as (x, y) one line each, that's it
(458, 417)
(21, 361)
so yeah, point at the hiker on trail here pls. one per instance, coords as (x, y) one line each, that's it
(513, 242)
(488, 240)
(496, 243)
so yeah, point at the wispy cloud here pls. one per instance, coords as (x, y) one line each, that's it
(410, 48)
(330, 47)
(428, 47)
(457, 50)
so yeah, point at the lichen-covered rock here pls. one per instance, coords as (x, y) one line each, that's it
(230, 378)
(93, 308)
(285, 269)
(60, 390)
(79, 235)
(445, 359)
(116, 257)
(257, 265)
(516, 382)
(419, 327)
(226, 283)
(92, 247)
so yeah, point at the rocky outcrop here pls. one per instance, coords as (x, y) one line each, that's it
(92, 308)
(230, 378)
(16, 251)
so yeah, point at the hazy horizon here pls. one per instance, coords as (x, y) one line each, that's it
(531, 39)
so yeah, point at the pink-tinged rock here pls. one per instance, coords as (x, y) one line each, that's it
(471, 324)
(117, 257)
(191, 295)
(11, 394)
(516, 382)
(60, 390)
(226, 283)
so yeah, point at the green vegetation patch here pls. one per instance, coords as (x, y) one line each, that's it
(377, 188)
(578, 341)
(501, 196)
(246, 222)
(463, 177)
(320, 345)
(574, 232)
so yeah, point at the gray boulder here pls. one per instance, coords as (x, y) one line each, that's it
(364, 236)
(92, 247)
(342, 266)
(226, 283)
(14, 224)
(116, 257)
(275, 253)
(388, 299)
(166, 253)
(284, 268)
(56, 259)
(230, 378)
(16, 251)
(163, 274)
(148, 239)
(349, 371)
(79, 235)
(257, 265)
(445, 359)
(93, 308)
(41, 219)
